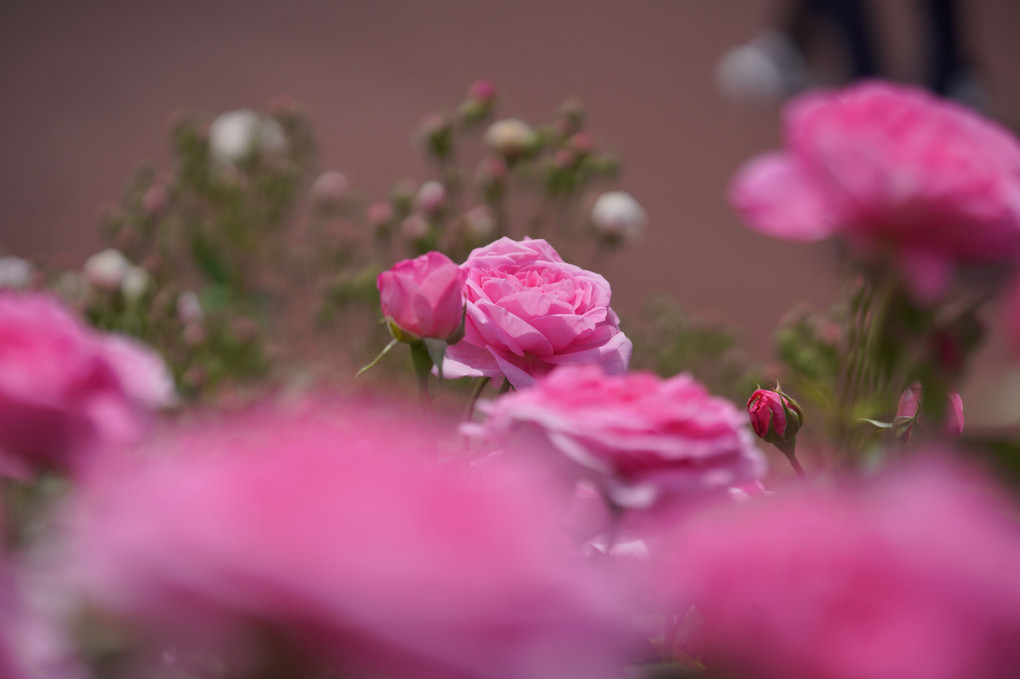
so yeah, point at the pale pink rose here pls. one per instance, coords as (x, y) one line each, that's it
(424, 296)
(61, 395)
(910, 403)
(334, 534)
(528, 311)
(912, 576)
(642, 439)
(142, 372)
(894, 171)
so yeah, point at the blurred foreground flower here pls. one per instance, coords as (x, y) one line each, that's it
(913, 576)
(329, 539)
(66, 390)
(895, 172)
(640, 438)
(529, 311)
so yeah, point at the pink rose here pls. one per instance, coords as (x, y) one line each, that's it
(528, 311)
(424, 296)
(893, 170)
(333, 533)
(910, 403)
(639, 437)
(913, 576)
(63, 389)
(774, 415)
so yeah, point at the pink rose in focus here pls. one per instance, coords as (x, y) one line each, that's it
(640, 438)
(424, 296)
(334, 533)
(774, 415)
(913, 576)
(65, 390)
(894, 171)
(910, 403)
(528, 311)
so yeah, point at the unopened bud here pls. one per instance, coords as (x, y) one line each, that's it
(106, 269)
(775, 417)
(330, 187)
(431, 198)
(511, 138)
(617, 216)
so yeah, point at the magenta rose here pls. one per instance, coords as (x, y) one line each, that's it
(895, 172)
(423, 296)
(66, 390)
(774, 415)
(641, 438)
(528, 311)
(910, 576)
(333, 533)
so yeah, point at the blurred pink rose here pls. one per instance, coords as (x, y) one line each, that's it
(64, 389)
(529, 311)
(333, 533)
(424, 296)
(894, 171)
(910, 403)
(639, 437)
(914, 576)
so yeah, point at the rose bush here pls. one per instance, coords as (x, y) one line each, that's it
(528, 311)
(895, 172)
(641, 438)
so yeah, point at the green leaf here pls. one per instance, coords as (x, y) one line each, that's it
(437, 352)
(378, 358)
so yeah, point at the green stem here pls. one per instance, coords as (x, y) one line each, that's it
(476, 391)
(423, 369)
(788, 449)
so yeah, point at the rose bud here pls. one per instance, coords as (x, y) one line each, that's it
(775, 417)
(616, 217)
(423, 298)
(483, 91)
(511, 138)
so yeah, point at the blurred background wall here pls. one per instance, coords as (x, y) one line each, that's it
(88, 88)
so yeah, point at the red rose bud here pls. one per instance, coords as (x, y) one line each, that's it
(423, 298)
(775, 417)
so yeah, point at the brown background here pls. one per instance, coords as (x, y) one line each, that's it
(88, 86)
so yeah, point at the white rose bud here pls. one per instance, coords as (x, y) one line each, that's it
(235, 134)
(135, 283)
(106, 270)
(617, 216)
(15, 272)
(510, 137)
